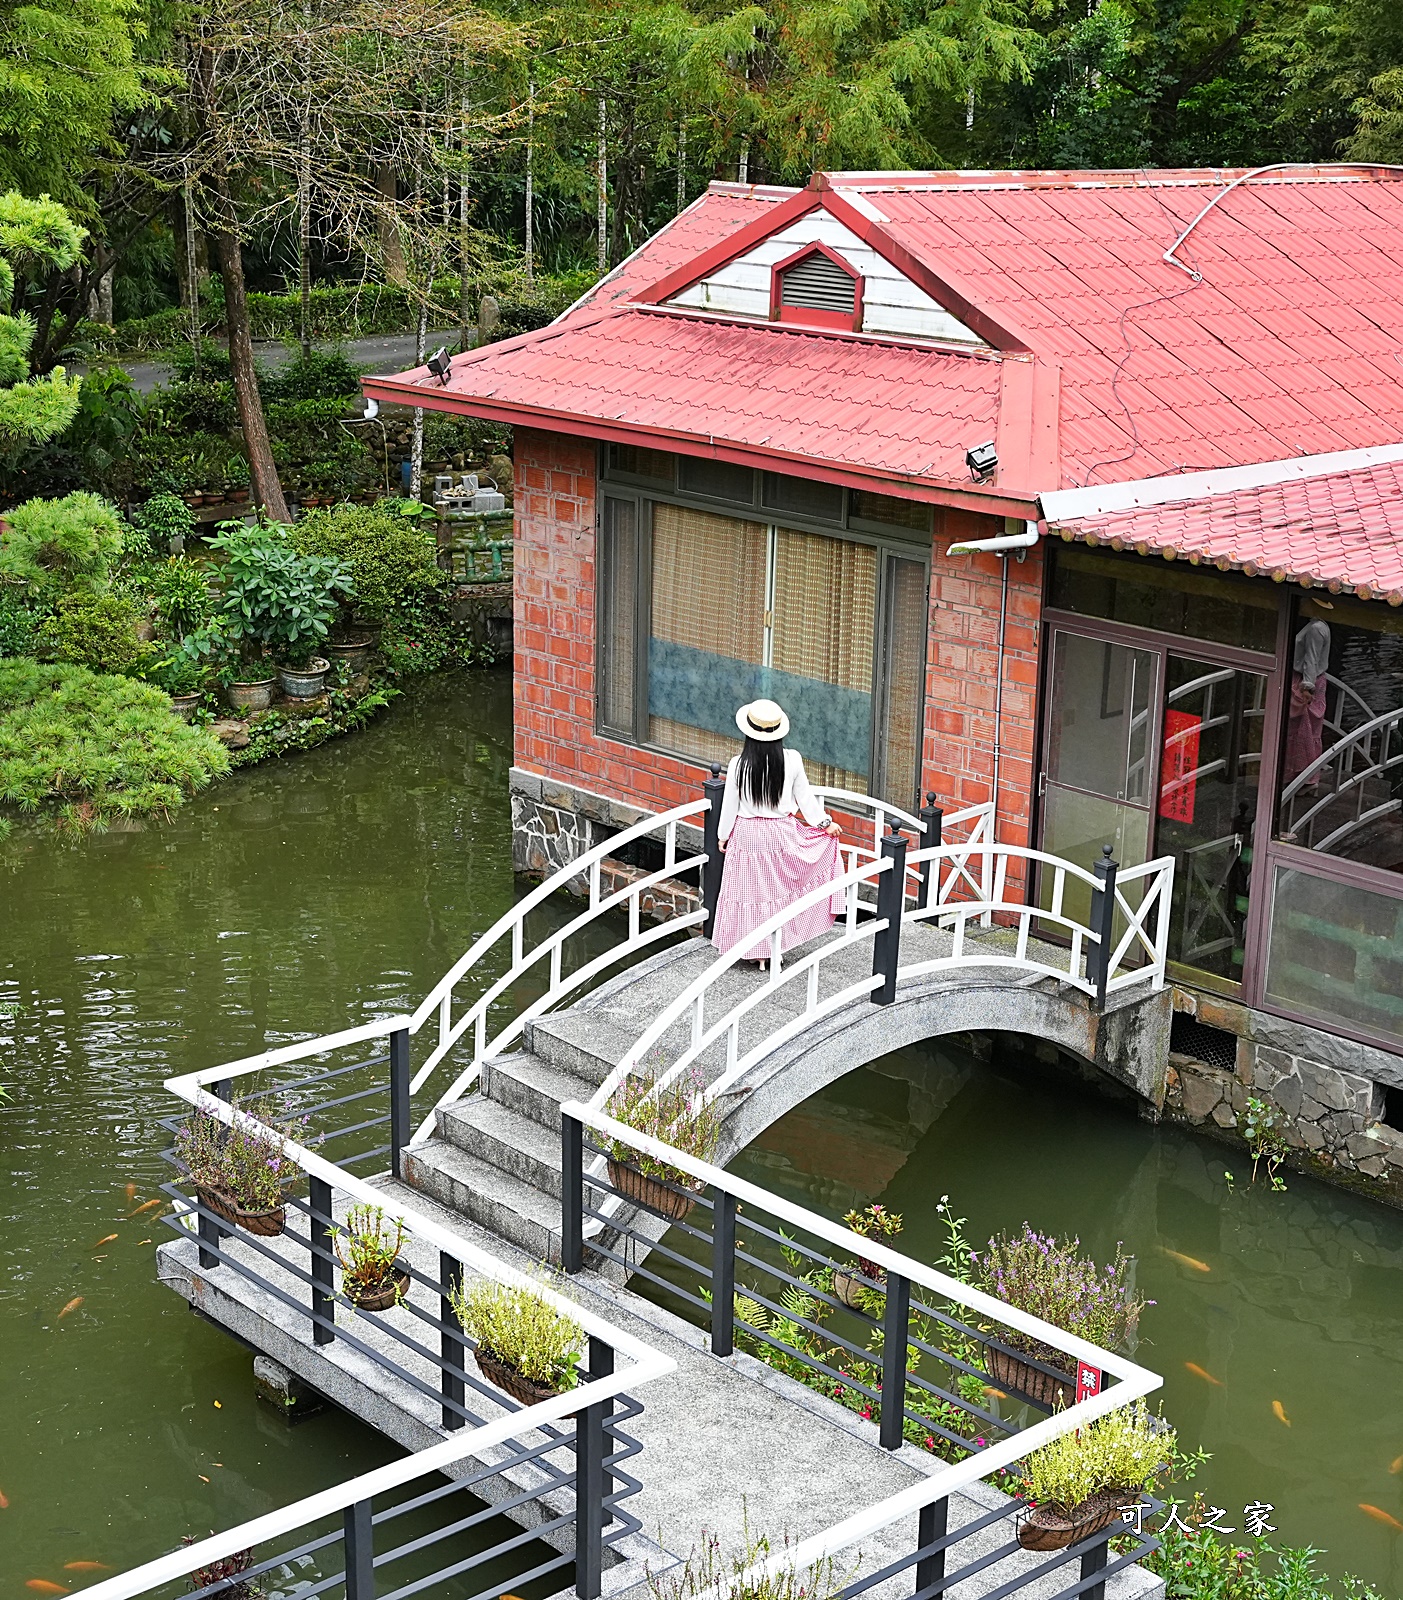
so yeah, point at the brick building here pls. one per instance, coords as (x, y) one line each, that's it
(754, 459)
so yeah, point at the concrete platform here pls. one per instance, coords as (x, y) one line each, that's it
(725, 1441)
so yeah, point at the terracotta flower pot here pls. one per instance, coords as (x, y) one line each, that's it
(389, 1294)
(255, 695)
(266, 1224)
(355, 653)
(507, 1378)
(636, 1185)
(1009, 1372)
(305, 683)
(1050, 1527)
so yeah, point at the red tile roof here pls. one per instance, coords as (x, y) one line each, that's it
(1341, 529)
(1290, 342)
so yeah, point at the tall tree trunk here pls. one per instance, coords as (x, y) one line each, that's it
(192, 271)
(465, 285)
(530, 180)
(682, 164)
(304, 190)
(267, 489)
(391, 246)
(602, 191)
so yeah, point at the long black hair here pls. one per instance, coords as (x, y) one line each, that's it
(760, 771)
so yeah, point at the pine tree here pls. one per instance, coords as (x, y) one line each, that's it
(34, 234)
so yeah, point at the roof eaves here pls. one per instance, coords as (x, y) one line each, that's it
(798, 330)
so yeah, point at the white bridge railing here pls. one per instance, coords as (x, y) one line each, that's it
(1121, 944)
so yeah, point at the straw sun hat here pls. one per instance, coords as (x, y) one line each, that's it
(762, 719)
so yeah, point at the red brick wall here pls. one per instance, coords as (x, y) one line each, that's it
(962, 657)
(555, 619)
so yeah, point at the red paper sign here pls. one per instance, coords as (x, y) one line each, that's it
(1178, 783)
(1088, 1381)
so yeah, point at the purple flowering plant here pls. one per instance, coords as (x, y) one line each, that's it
(1053, 1279)
(247, 1159)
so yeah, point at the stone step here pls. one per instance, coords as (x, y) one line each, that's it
(505, 1139)
(529, 1086)
(487, 1196)
(580, 1044)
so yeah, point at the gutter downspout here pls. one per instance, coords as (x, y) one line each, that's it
(1009, 544)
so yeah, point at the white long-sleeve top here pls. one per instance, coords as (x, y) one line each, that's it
(797, 795)
(1311, 656)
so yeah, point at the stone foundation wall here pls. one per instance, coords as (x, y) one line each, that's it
(1329, 1090)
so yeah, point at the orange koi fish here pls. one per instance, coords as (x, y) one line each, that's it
(1381, 1516)
(146, 1207)
(131, 1193)
(86, 1566)
(4, 1503)
(1198, 1372)
(1279, 1412)
(1192, 1262)
(107, 1240)
(995, 1394)
(72, 1305)
(43, 1586)
(1396, 1466)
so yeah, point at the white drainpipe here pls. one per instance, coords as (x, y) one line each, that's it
(1004, 545)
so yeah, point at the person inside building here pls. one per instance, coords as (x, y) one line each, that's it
(1305, 726)
(779, 843)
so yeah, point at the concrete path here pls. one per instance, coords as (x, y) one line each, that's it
(725, 1442)
(377, 353)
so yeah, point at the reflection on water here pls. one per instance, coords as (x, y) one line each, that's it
(1301, 1303)
(294, 898)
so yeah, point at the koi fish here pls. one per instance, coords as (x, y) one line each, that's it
(1192, 1262)
(72, 1305)
(219, 1405)
(995, 1394)
(131, 1193)
(141, 1242)
(202, 1477)
(43, 1586)
(4, 1503)
(86, 1566)
(1279, 1412)
(142, 1208)
(108, 1240)
(1381, 1516)
(1198, 1372)
(1396, 1466)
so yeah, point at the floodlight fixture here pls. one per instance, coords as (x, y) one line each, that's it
(982, 460)
(439, 364)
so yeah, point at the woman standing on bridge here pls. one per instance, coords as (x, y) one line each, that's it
(773, 856)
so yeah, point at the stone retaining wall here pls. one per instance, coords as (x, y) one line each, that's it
(1329, 1090)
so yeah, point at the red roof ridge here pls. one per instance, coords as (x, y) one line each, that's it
(1107, 177)
(1068, 505)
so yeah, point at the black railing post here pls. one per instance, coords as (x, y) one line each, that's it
(358, 1542)
(1092, 1562)
(1103, 922)
(723, 1273)
(933, 818)
(572, 1194)
(210, 1231)
(319, 1229)
(933, 1524)
(590, 1481)
(714, 788)
(399, 1097)
(451, 1347)
(896, 1319)
(891, 902)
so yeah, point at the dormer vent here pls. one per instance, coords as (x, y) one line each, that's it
(816, 287)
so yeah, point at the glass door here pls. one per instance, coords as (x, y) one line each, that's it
(1095, 784)
(1210, 772)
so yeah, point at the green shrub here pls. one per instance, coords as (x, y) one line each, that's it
(178, 586)
(97, 631)
(277, 600)
(1126, 1449)
(56, 545)
(91, 748)
(391, 559)
(519, 1326)
(1197, 1565)
(206, 406)
(164, 518)
(19, 625)
(318, 376)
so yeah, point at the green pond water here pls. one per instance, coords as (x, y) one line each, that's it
(315, 892)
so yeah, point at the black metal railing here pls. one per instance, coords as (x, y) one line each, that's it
(421, 1349)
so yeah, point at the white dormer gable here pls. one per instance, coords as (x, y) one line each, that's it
(891, 303)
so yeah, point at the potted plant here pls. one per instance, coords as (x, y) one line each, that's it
(372, 1278)
(279, 603)
(241, 1171)
(678, 1115)
(182, 675)
(873, 1222)
(525, 1346)
(1080, 1483)
(1051, 1278)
